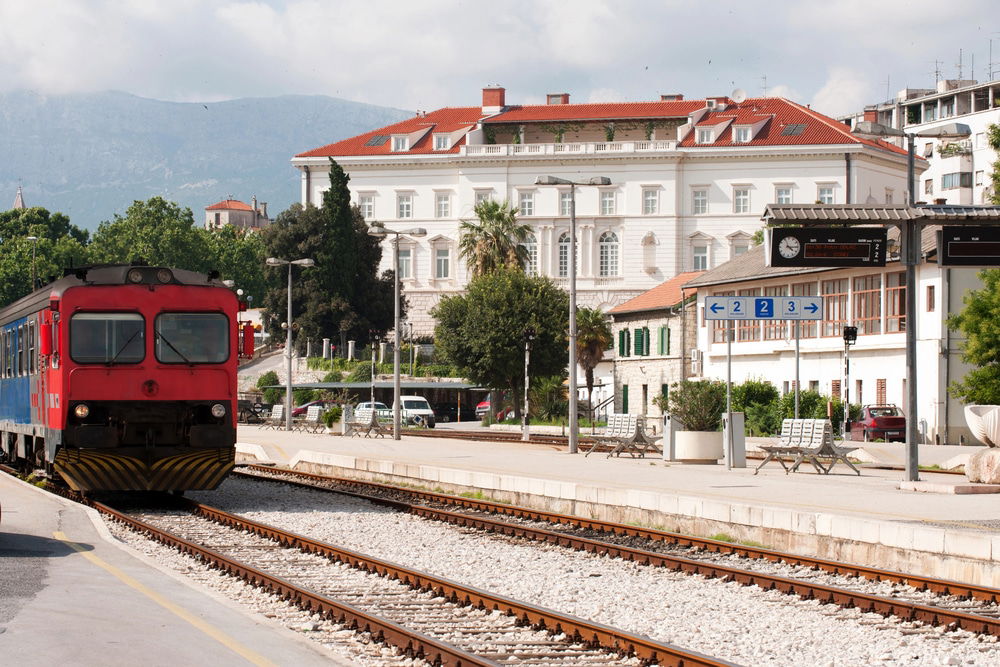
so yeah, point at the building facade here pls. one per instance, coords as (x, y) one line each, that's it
(236, 213)
(959, 170)
(689, 180)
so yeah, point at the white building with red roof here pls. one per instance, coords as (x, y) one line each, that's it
(689, 181)
(236, 213)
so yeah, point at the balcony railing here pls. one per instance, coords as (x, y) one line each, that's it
(582, 148)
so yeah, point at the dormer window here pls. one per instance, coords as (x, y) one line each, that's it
(442, 142)
(705, 136)
(401, 143)
(742, 135)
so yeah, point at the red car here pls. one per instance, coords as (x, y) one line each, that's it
(303, 409)
(879, 422)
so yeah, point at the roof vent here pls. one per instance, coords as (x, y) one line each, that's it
(557, 98)
(673, 97)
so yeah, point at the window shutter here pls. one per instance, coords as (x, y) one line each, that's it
(638, 342)
(621, 343)
(668, 340)
(645, 341)
(625, 398)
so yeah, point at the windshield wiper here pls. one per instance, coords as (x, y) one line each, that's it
(111, 362)
(170, 345)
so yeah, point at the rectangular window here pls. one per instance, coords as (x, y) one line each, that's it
(650, 202)
(959, 179)
(663, 341)
(624, 342)
(607, 202)
(405, 263)
(979, 177)
(929, 186)
(930, 298)
(31, 348)
(566, 203)
(191, 338)
(442, 263)
(889, 196)
(705, 136)
(824, 194)
(739, 247)
(807, 328)
(700, 258)
(483, 195)
(741, 200)
(404, 206)
(526, 203)
(400, 143)
(442, 205)
(367, 205)
(880, 391)
(835, 388)
(783, 195)
(868, 304)
(699, 201)
(743, 135)
(105, 338)
(895, 302)
(834, 306)
(442, 142)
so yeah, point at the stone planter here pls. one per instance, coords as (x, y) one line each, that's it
(698, 446)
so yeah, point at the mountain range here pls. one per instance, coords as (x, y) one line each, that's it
(90, 155)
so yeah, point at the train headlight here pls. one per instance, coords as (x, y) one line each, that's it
(218, 411)
(81, 411)
(164, 275)
(134, 276)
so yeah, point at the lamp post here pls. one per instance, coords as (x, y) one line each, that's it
(379, 230)
(555, 180)
(910, 248)
(529, 335)
(850, 338)
(274, 261)
(34, 247)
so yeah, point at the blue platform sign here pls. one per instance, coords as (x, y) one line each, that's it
(764, 308)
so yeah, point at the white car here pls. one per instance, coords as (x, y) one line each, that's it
(416, 410)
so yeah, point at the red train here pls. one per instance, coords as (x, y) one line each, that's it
(122, 378)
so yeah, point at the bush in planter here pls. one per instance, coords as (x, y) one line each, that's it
(332, 416)
(697, 404)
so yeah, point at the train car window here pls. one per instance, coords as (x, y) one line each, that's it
(107, 338)
(32, 365)
(5, 351)
(21, 347)
(192, 338)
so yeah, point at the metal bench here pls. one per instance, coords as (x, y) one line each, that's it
(824, 446)
(790, 442)
(313, 420)
(626, 435)
(277, 417)
(365, 422)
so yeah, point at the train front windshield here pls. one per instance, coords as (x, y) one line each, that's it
(192, 338)
(104, 338)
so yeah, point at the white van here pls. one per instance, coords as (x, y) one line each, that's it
(416, 410)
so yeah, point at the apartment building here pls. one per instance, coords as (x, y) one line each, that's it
(689, 180)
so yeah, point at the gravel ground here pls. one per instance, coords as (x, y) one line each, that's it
(727, 620)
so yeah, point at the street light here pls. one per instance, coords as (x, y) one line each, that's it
(529, 335)
(850, 338)
(379, 230)
(34, 246)
(274, 261)
(555, 180)
(910, 250)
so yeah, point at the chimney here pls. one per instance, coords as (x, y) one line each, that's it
(253, 202)
(557, 98)
(673, 97)
(263, 210)
(493, 99)
(871, 114)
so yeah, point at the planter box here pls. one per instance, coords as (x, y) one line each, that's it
(698, 446)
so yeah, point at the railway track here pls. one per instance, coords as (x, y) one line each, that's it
(425, 616)
(929, 601)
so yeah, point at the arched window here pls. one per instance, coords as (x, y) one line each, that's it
(531, 245)
(608, 248)
(564, 255)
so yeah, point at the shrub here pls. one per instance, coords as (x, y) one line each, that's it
(332, 416)
(698, 404)
(272, 395)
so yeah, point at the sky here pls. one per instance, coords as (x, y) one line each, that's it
(836, 55)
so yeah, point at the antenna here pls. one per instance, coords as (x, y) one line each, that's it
(764, 85)
(959, 64)
(739, 95)
(937, 72)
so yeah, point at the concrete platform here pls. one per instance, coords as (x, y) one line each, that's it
(72, 595)
(840, 516)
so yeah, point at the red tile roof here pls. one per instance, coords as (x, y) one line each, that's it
(660, 297)
(448, 119)
(229, 204)
(604, 111)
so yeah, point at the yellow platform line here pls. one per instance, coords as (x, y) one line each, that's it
(206, 628)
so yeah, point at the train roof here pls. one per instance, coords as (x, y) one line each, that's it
(106, 274)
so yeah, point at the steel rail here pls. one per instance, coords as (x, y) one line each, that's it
(866, 602)
(595, 634)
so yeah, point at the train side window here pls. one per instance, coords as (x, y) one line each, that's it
(4, 354)
(105, 338)
(32, 348)
(20, 350)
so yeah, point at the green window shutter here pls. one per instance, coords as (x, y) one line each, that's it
(661, 347)
(645, 341)
(625, 399)
(637, 346)
(628, 343)
(621, 343)
(668, 340)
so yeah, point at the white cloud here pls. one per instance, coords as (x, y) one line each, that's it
(845, 91)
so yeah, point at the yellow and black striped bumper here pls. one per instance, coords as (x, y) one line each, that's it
(139, 469)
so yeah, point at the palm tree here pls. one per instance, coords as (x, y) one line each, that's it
(593, 337)
(495, 240)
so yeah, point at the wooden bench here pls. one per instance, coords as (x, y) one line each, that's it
(365, 422)
(313, 420)
(277, 417)
(625, 435)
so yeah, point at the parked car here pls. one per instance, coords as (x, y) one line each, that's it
(448, 412)
(879, 422)
(416, 410)
(304, 408)
(482, 408)
(368, 405)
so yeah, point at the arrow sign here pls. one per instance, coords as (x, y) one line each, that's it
(763, 308)
(812, 308)
(715, 308)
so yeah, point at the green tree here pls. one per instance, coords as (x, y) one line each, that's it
(155, 231)
(60, 245)
(593, 337)
(343, 295)
(993, 138)
(981, 347)
(479, 331)
(238, 255)
(495, 240)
